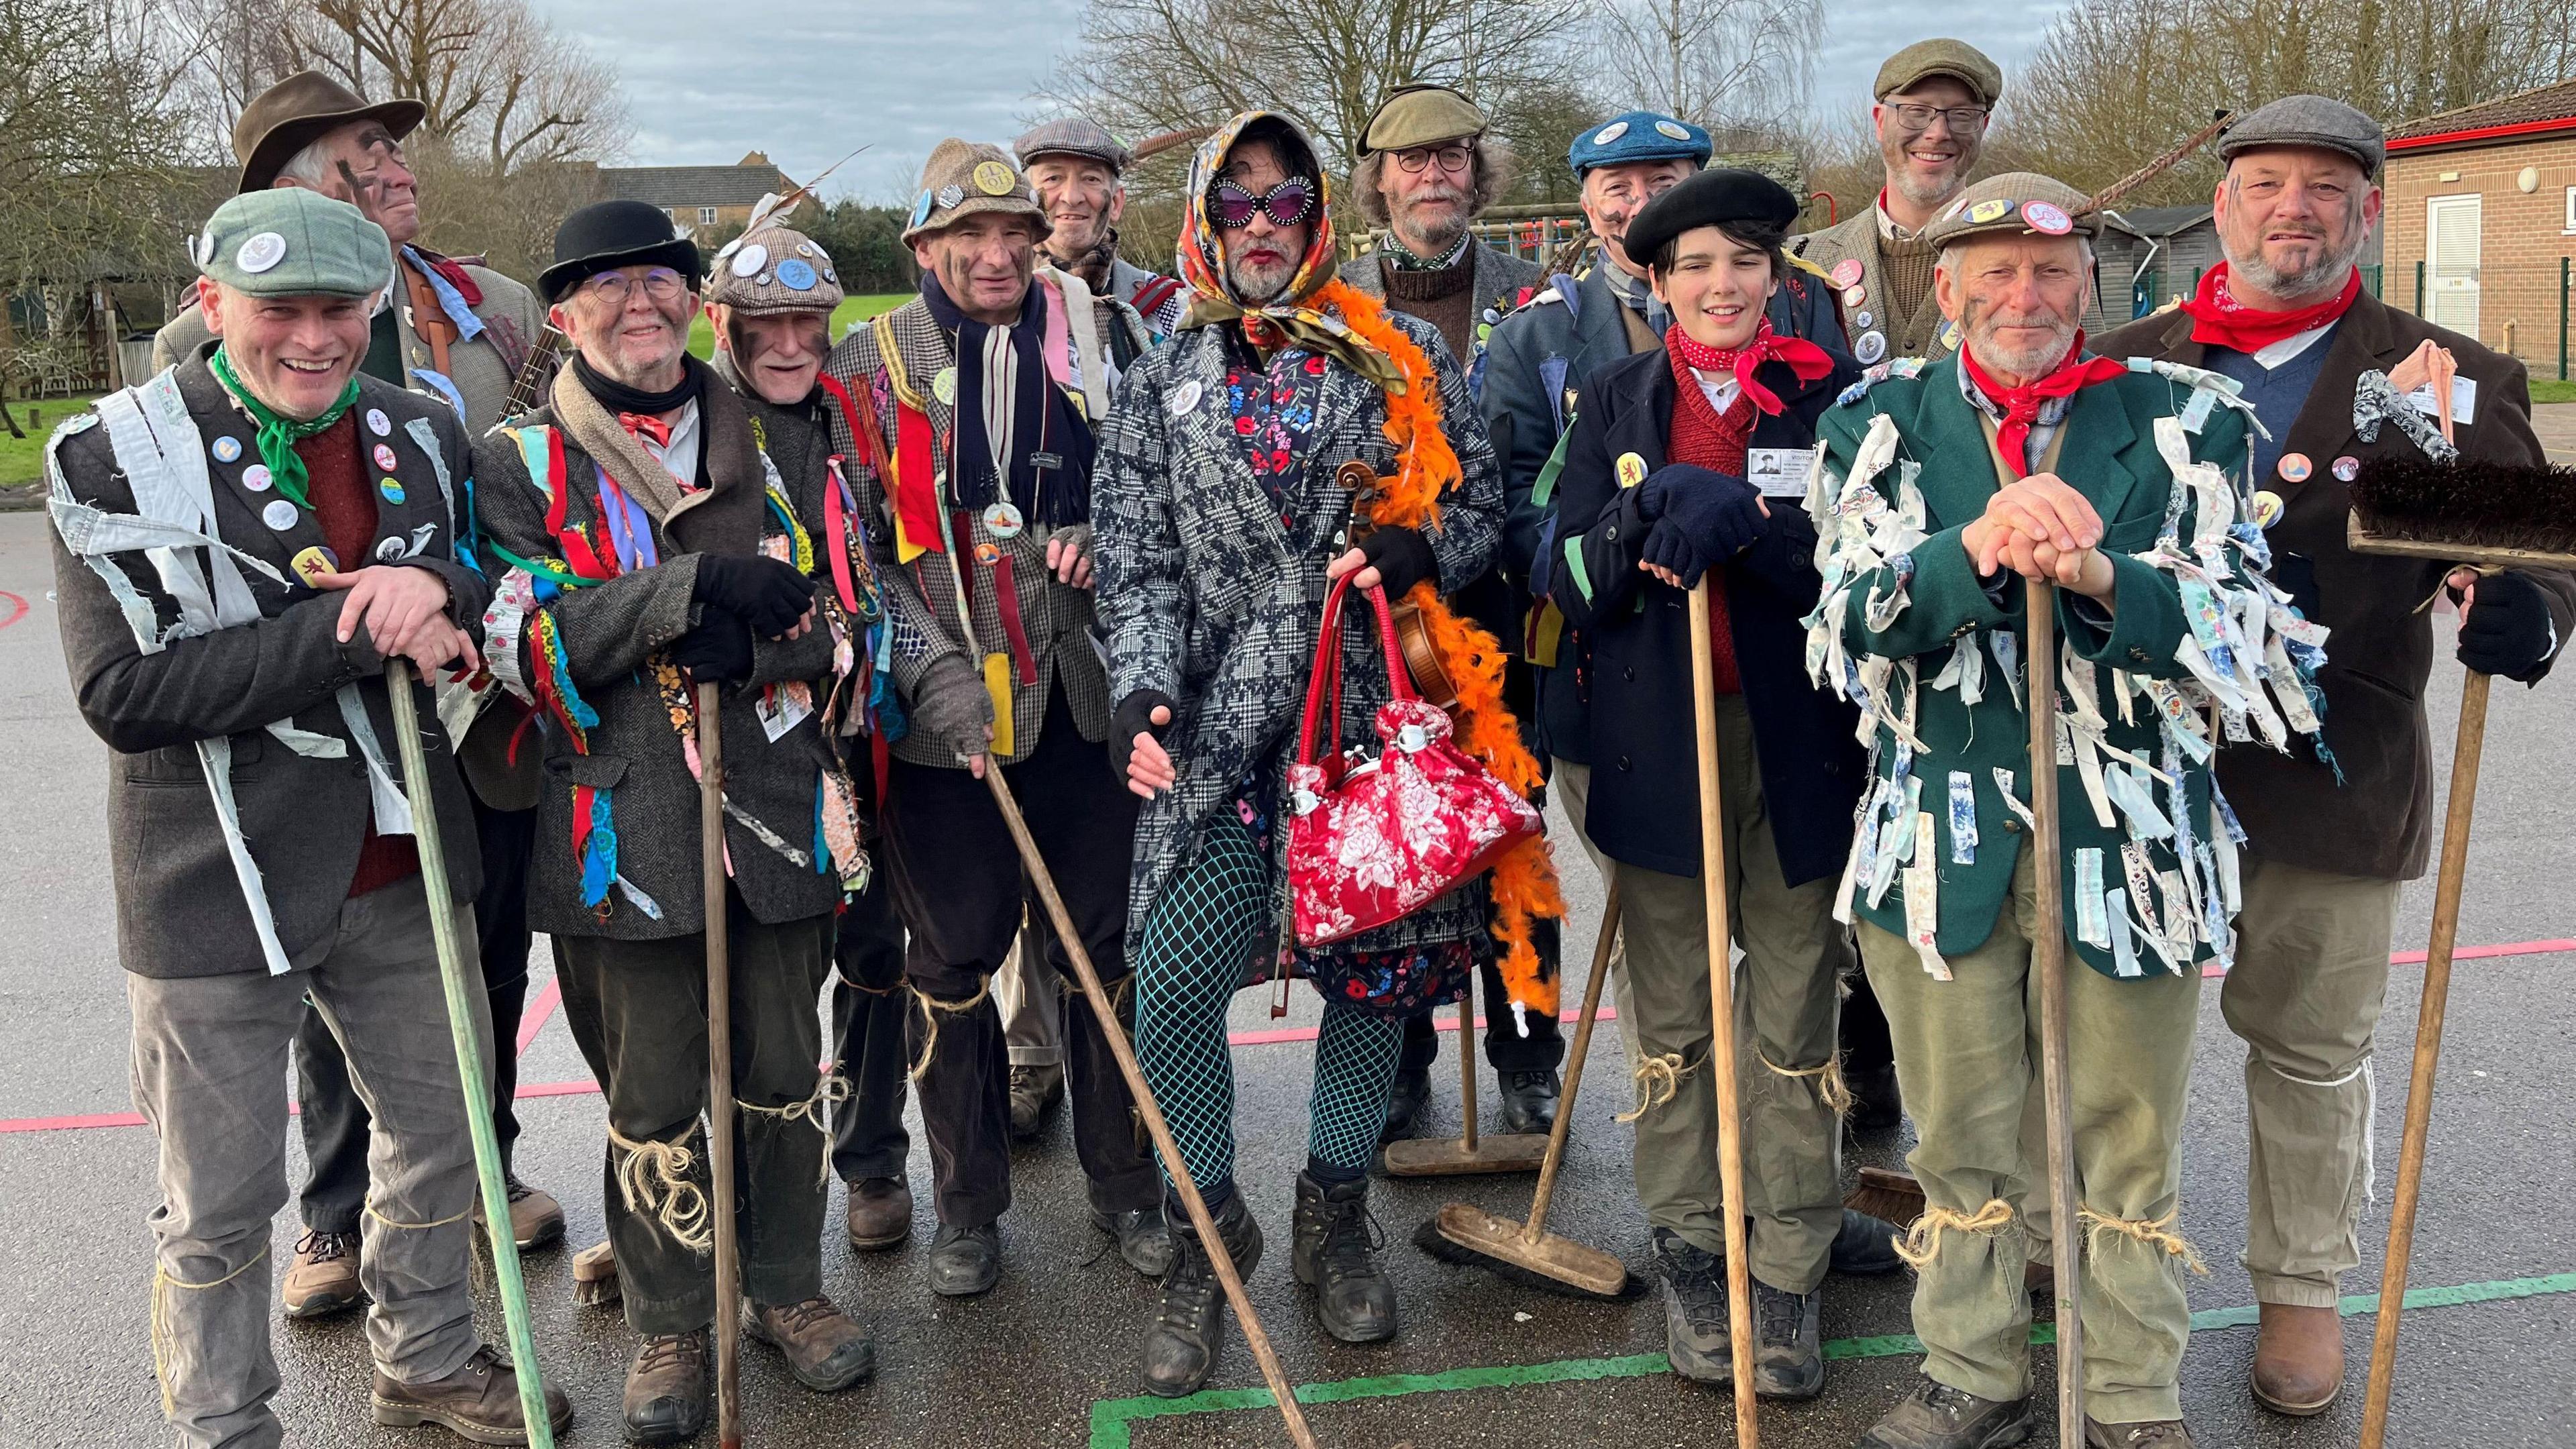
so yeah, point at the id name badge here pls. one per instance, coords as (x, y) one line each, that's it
(1779, 472)
(2464, 399)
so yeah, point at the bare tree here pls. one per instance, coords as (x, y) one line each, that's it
(1742, 65)
(498, 82)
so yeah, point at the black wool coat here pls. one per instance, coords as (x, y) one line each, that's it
(1644, 803)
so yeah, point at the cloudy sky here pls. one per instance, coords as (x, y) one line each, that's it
(806, 83)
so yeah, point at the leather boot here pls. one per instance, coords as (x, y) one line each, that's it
(1529, 1101)
(825, 1349)
(479, 1402)
(1033, 1090)
(965, 1261)
(1333, 1246)
(536, 1219)
(1864, 1246)
(2151, 1434)
(1692, 1282)
(1144, 1239)
(2298, 1359)
(1937, 1416)
(323, 1278)
(1404, 1102)
(880, 1213)
(1189, 1333)
(667, 1388)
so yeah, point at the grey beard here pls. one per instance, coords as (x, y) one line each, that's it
(2025, 363)
(1257, 285)
(2326, 273)
(1432, 243)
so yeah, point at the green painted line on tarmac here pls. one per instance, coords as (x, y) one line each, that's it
(1110, 1418)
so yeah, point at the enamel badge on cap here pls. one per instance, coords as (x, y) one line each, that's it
(1631, 469)
(749, 259)
(796, 275)
(261, 252)
(2047, 218)
(1673, 129)
(1609, 133)
(994, 179)
(951, 195)
(1990, 209)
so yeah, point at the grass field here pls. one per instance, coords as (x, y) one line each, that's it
(853, 310)
(2551, 390)
(22, 460)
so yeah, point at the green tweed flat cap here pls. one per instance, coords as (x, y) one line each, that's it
(2016, 203)
(1956, 59)
(290, 242)
(1421, 115)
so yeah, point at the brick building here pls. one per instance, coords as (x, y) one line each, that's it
(2481, 205)
(700, 198)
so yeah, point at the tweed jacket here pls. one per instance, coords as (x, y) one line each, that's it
(304, 807)
(1907, 621)
(614, 641)
(2377, 821)
(1209, 600)
(1856, 238)
(921, 594)
(481, 367)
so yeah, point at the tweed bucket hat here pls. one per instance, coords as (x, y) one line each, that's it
(962, 179)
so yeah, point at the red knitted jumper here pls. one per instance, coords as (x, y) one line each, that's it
(1700, 436)
(345, 505)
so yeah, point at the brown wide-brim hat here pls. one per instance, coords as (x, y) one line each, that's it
(289, 115)
(962, 179)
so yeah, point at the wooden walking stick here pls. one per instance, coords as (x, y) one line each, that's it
(1101, 1007)
(470, 1068)
(2488, 517)
(720, 1108)
(1721, 1019)
(2048, 958)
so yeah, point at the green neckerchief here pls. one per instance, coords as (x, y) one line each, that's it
(278, 436)
(1405, 259)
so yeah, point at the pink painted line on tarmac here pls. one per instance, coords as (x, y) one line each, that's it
(538, 1015)
(12, 608)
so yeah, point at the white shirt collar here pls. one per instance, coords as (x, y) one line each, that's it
(2289, 347)
(680, 458)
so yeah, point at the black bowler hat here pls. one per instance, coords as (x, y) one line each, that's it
(612, 234)
(1710, 198)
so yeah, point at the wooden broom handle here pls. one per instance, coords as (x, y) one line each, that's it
(2048, 959)
(720, 1108)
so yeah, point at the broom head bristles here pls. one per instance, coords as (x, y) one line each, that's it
(1881, 1193)
(2472, 504)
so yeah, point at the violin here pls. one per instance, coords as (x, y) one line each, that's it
(1412, 633)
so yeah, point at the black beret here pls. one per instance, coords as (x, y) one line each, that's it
(1711, 198)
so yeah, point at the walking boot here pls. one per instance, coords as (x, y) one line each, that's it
(536, 1219)
(1033, 1090)
(1332, 1246)
(478, 1402)
(965, 1261)
(1692, 1282)
(1864, 1246)
(1144, 1239)
(2298, 1359)
(826, 1350)
(880, 1213)
(1182, 1347)
(1788, 1345)
(1529, 1102)
(1404, 1102)
(2151, 1434)
(667, 1388)
(1937, 1416)
(323, 1278)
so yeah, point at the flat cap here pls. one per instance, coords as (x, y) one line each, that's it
(962, 178)
(1072, 136)
(290, 242)
(1637, 136)
(1421, 115)
(1924, 59)
(1712, 198)
(2319, 121)
(2016, 203)
(775, 269)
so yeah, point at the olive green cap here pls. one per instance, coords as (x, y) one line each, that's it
(2016, 203)
(1421, 115)
(1956, 59)
(290, 242)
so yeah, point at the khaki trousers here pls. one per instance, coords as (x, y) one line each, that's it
(1785, 999)
(1967, 1056)
(2310, 977)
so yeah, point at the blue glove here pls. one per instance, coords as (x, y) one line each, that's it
(2507, 629)
(1700, 515)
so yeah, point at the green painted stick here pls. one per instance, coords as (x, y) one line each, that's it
(470, 1069)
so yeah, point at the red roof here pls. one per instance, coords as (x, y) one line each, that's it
(2539, 111)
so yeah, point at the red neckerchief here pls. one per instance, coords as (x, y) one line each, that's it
(2219, 320)
(638, 425)
(2021, 404)
(1805, 359)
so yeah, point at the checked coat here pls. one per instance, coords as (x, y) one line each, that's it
(1207, 597)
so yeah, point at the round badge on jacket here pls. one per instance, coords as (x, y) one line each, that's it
(1871, 347)
(379, 424)
(392, 489)
(943, 386)
(1848, 272)
(279, 515)
(384, 456)
(2267, 508)
(256, 478)
(1631, 470)
(225, 449)
(315, 564)
(2347, 468)
(1184, 397)
(2295, 467)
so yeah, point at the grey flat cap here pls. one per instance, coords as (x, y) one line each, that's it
(1072, 136)
(2319, 121)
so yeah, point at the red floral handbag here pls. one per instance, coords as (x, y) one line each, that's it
(1374, 842)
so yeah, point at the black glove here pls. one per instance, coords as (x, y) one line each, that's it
(1402, 557)
(762, 592)
(1722, 514)
(1135, 716)
(717, 650)
(2507, 629)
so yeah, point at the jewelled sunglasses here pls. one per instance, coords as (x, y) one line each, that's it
(1286, 204)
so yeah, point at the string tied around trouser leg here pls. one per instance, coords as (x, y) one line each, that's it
(931, 1009)
(161, 1279)
(2155, 1233)
(1658, 1080)
(829, 1089)
(653, 1181)
(1923, 1241)
(2369, 1116)
(1830, 1087)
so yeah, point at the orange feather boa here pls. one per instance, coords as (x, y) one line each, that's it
(1525, 883)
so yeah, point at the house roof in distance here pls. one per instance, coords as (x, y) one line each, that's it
(741, 184)
(2538, 111)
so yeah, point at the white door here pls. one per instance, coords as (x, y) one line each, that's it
(2451, 225)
